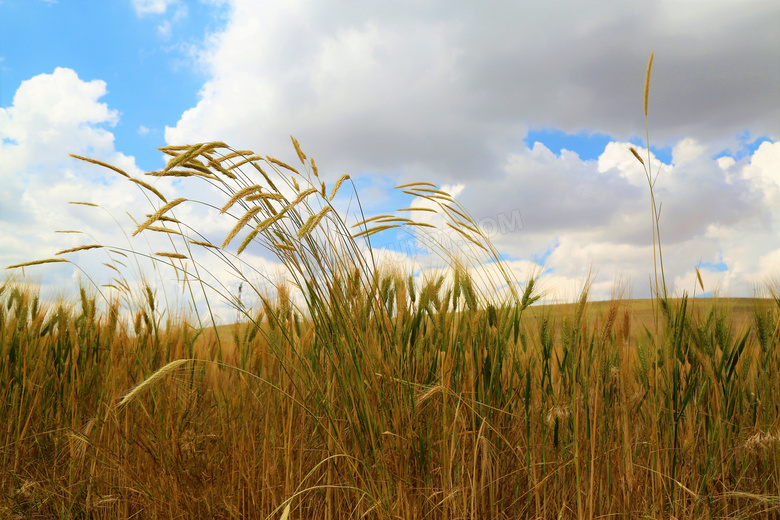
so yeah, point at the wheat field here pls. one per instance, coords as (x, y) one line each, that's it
(359, 390)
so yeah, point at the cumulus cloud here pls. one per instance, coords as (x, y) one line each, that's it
(583, 214)
(446, 92)
(52, 116)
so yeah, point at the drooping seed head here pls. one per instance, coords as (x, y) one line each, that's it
(636, 154)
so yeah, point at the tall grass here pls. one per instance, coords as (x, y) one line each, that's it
(359, 390)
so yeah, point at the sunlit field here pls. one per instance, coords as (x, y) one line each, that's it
(359, 390)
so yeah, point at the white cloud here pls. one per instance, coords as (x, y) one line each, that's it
(164, 30)
(54, 115)
(687, 150)
(726, 163)
(145, 7)
(417, 94)
(159, 8)
(764, 173)
(445, 92)
(598, 217)
(593, 220)
(449, 87)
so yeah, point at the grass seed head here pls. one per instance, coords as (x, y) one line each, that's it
(647, 81)
(338, 185)
(636, 154)
(79, 248)
(301, 155)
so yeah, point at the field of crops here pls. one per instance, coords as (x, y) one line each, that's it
(440, 412)
(358, 390)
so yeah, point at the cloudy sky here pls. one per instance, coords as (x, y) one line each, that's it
(526, 110)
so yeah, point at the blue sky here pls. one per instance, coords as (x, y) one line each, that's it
(484, 100)
(148, 68)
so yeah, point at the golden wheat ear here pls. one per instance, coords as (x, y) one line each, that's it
(636, 154)
(647, 80)
(37, 262)
(156, 376)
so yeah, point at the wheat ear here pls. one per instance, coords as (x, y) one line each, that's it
(647, 81)
(159, 374)
(38, 262)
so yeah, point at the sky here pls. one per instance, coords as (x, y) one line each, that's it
(524, 110)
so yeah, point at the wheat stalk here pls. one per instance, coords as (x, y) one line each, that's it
(38, 262)
(338, 185)
(183, 157)
(160, 229)
(249, 159)
(79, 248)
(238, 153)
(462, 215)
(221, 169)
(636, 154)
(297, 146)
(411, 184)
(262, 227)
(372, 219)
(430, 210)
(101, 163)
(241, 223)
(159, 213)
(431, 197)
(149, 187)
(206, 148)
(647, 81)
(394, 220)
(372, 231)
(239, 194)
(159, 374)
(313, 221)
(281, 163)
(432, 190)
(172, 255)
(302, 196)
(421, 224)
(265, 196)
(171, 173)
(204, 244)
(468, 237)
